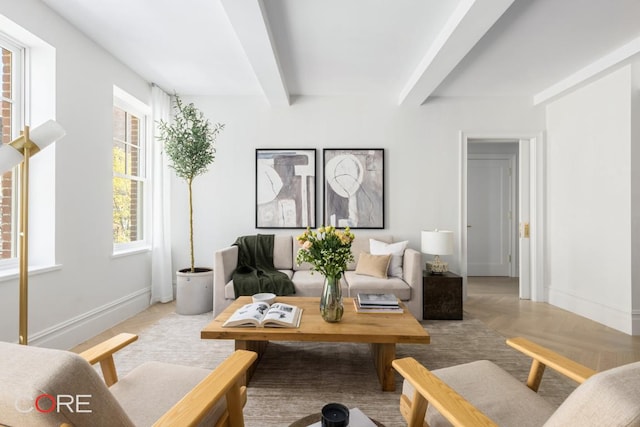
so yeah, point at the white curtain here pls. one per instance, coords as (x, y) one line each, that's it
(161, 272)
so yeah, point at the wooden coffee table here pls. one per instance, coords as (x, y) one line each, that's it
(381, 331)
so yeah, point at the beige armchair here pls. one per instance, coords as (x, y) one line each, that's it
(482, 394)
(46, 387)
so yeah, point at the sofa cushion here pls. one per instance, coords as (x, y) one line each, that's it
(229, 291)
(609, 398)
(396, 250)
(495, 392)
(374, 285)
(310, 283)
(373, 265)
(282, 254)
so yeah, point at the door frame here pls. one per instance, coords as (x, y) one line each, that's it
(533, 265)
(513, 221)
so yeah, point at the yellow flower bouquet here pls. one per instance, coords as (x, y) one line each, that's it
(328, 250)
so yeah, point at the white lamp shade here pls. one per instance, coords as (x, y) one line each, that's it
(46, 134)
(9, 157)
(437, 242)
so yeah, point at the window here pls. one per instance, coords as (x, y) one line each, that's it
(129, 173)
(11, 120)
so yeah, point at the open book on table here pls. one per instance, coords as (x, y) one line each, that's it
(261, 314)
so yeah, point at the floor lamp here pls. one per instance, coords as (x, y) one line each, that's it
(18, 152)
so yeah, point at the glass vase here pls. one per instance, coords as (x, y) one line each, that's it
(331, 307)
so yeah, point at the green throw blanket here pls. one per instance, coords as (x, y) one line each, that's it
(255, 272)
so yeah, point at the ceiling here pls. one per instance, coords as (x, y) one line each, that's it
(407, 50)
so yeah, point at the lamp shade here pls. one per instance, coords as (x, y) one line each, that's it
(437, 242)
(46, 134)
(9, 157)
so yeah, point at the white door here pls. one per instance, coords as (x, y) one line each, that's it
(488, 217)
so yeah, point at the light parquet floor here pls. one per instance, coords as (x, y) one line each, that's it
(134, 325)
(494, 301)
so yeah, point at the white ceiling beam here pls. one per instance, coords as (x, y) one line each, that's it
(616, 57)
(465, 27)
(249, 21)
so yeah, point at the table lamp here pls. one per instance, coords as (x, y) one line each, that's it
(437, 242)
(18, 152)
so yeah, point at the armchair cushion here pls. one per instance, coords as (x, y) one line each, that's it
(27, 372)
(145, 396)
(42, 387)
(493, 391)
(611, 397)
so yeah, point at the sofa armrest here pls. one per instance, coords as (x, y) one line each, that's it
(103, 353)
(543, 357)
(412, 274)
(225, 261)
(412, 267)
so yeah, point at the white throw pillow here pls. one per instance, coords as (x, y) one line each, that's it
(396, 250)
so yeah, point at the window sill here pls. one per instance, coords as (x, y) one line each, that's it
(130, 251)
(14, 273)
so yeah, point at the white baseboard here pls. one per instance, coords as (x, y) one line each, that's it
(627, 322)
(77, 330)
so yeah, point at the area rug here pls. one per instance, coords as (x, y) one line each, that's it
(295, 379)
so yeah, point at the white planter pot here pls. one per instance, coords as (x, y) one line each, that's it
(194, 291)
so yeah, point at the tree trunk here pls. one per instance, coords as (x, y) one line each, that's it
(193, 267)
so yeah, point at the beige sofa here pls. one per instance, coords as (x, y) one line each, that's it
(408, 288)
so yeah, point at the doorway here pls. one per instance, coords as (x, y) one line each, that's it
(526, 207)
(492, 214)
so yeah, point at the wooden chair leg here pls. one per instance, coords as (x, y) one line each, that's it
(236, 398)
(414, 410)
(535, 375)
(109, 373)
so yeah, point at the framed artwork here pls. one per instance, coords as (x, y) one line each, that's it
(285, 188)
(354, 187)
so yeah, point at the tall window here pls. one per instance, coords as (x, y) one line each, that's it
(129, 175)
(11, 119)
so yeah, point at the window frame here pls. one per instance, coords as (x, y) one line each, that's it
(132, 105)
(18, 89)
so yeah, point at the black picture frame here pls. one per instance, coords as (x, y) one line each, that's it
(285, 188)
(353, 187)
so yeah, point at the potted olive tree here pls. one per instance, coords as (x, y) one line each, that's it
(189, 144)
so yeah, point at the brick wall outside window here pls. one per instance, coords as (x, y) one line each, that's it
(128, 182)
(6, 180)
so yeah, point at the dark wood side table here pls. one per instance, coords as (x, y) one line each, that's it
(441, 296)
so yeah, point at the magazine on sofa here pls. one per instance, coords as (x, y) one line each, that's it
(260, 314)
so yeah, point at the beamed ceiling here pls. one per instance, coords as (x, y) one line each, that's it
(406, 50)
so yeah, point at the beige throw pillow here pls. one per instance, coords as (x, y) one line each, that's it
(373, 265)
(396, 250)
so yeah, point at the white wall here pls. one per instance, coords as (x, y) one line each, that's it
(422, 159)
(589, 173)
(635, 197)
(90, 291)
